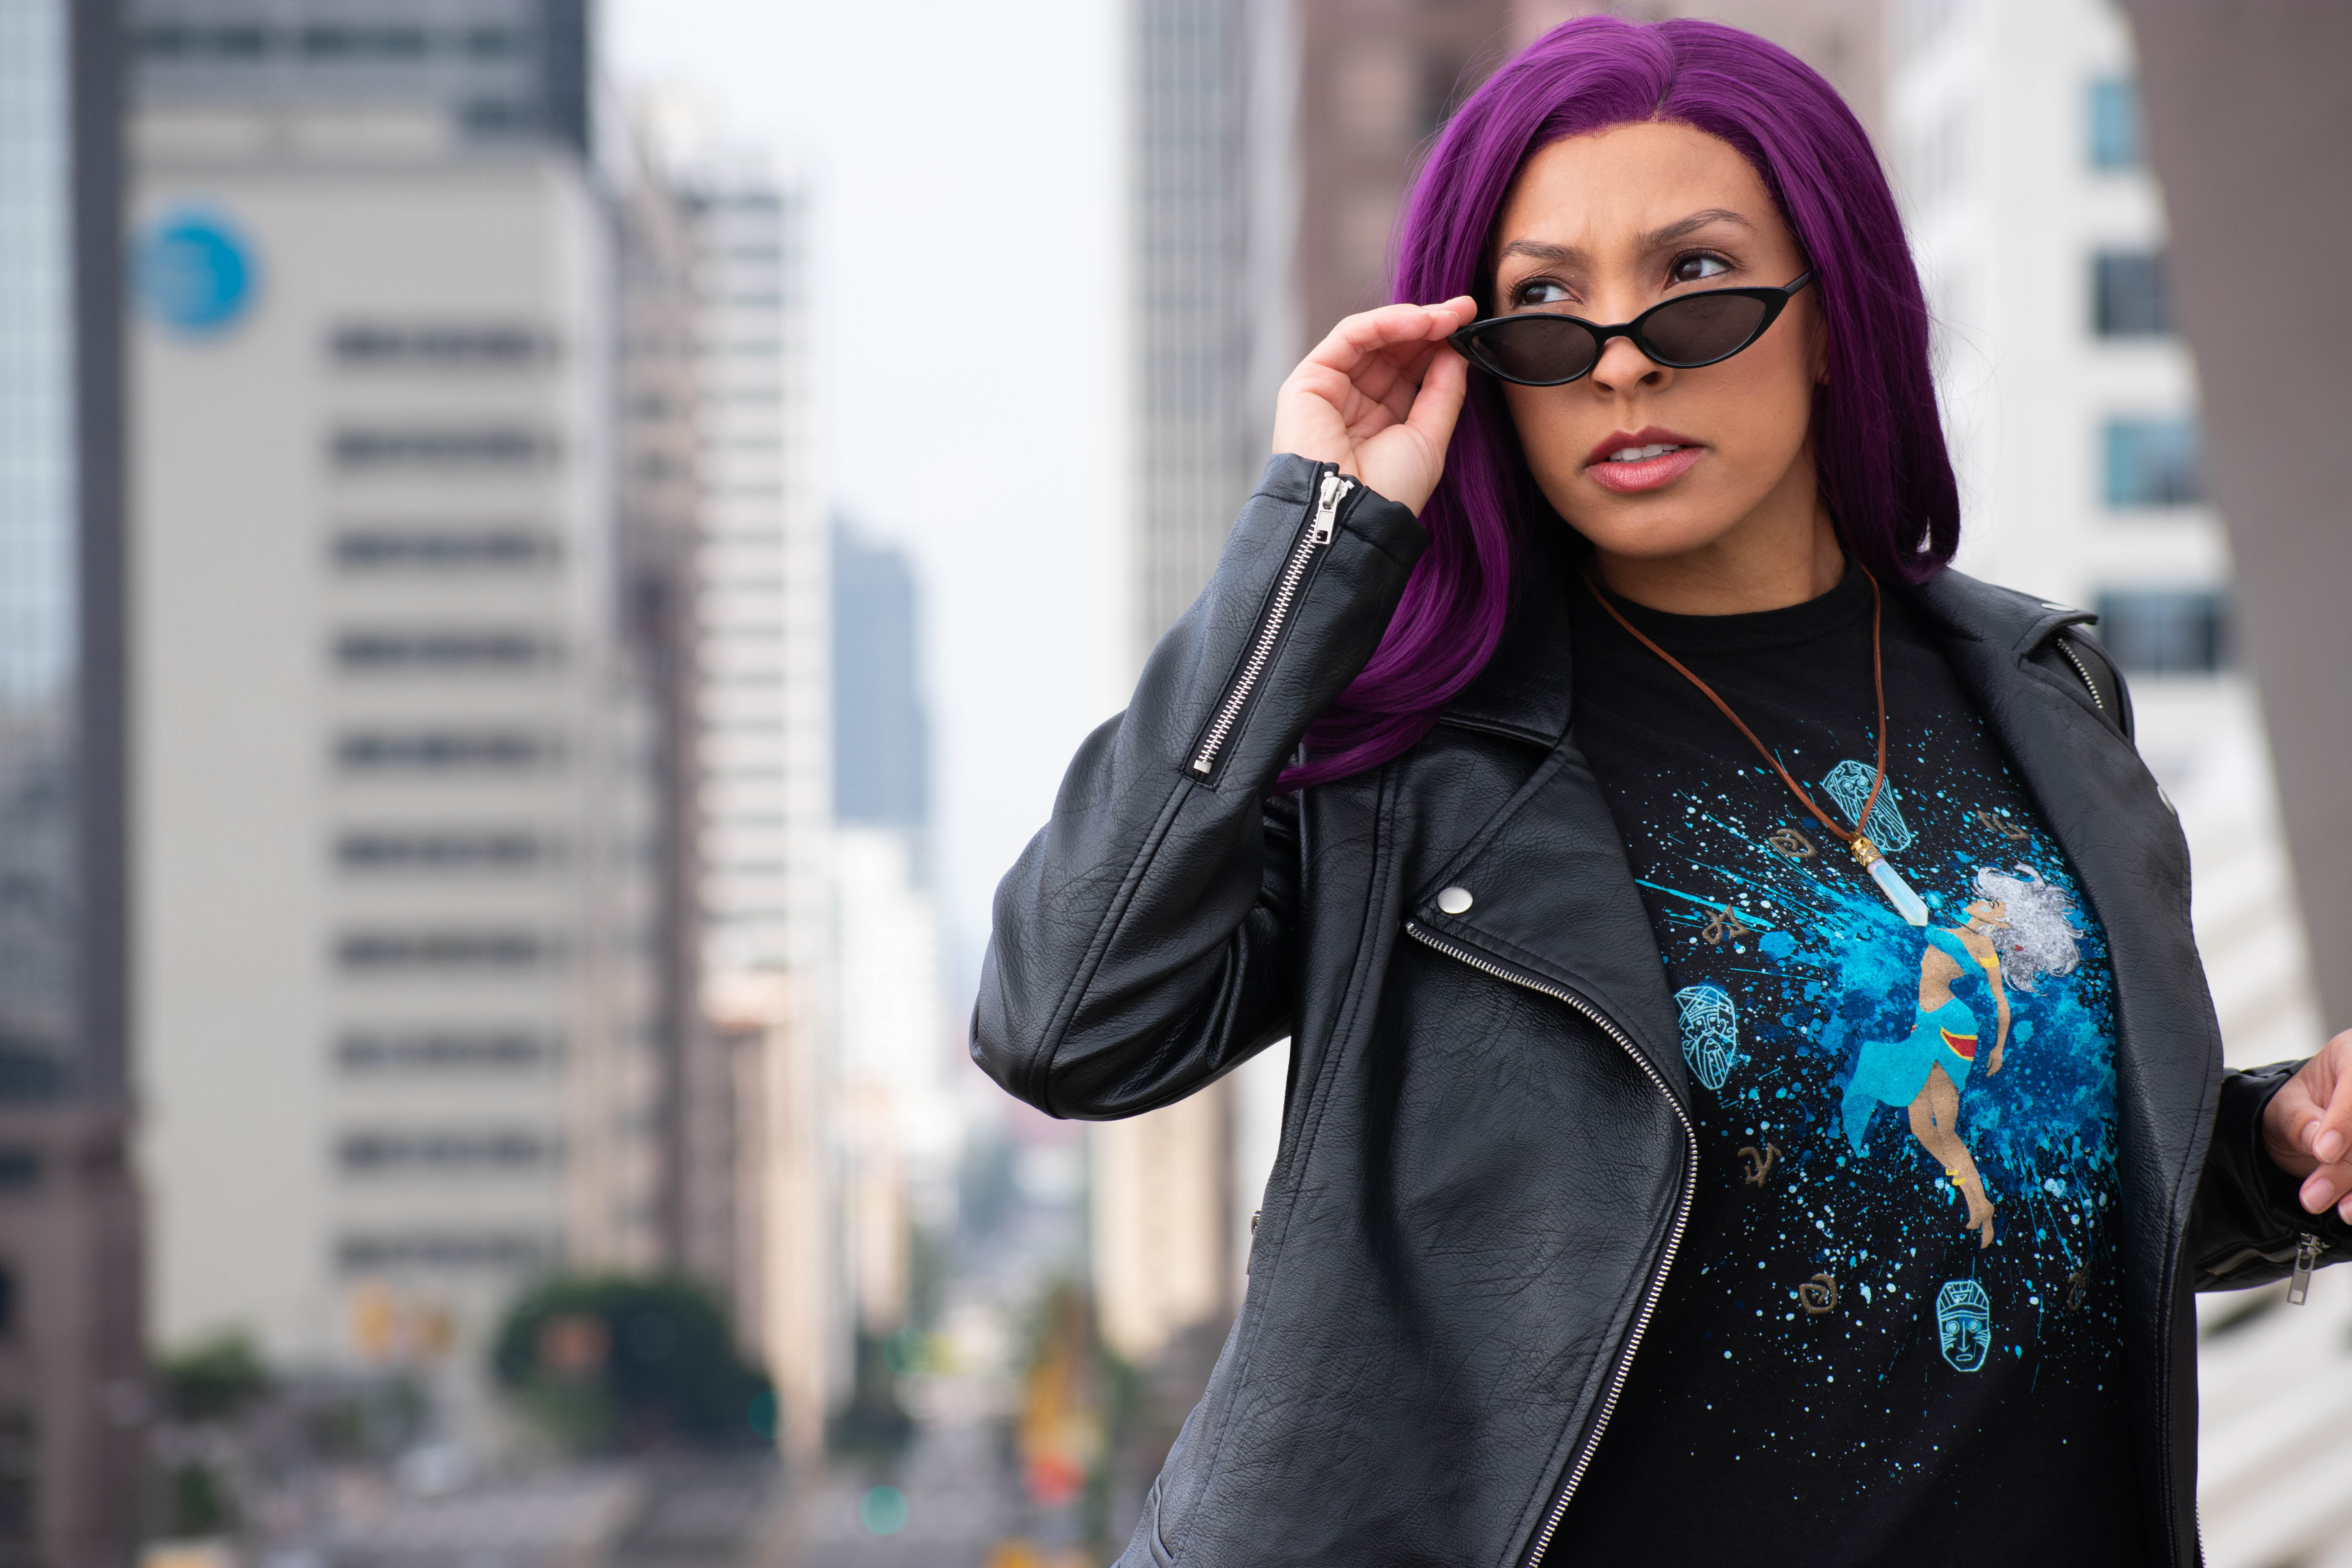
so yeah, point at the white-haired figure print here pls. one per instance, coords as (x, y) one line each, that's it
(2037, 936)
(2019, 930)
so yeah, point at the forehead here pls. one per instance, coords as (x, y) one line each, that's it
(1607, 188)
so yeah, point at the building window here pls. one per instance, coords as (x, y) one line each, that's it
(378, 1153)
(439, 346)
(2165, 631)
(438, 1050)
(387, 851)
(395, 42)
(367, 1254)
(2153, 463)
(438, 751)
(485, 447)
(379, 650)
(392, 549)
(2129, 294)
(440, 952)
(2113, 123)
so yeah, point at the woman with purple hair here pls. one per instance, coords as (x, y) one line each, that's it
(1583, 754)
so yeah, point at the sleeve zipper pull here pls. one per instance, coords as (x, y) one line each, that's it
(2306, 1258)
(1336, 487)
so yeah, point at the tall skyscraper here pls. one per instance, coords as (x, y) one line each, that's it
(766, 765)
(693, 1188)
(72, 1361)
(899, 1123)
(395, 958)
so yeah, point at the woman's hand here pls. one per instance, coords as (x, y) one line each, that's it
(2307, 1128)
(1379, 397)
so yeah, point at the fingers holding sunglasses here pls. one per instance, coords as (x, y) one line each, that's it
(1374, 390)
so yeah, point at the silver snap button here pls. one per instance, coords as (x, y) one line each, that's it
(1454, 900)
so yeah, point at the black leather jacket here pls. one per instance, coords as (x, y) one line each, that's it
(1486, 1150)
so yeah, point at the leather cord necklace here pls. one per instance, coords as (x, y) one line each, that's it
(1868, 855)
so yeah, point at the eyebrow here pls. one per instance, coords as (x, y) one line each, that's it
(1656, 239)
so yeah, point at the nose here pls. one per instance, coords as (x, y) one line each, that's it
(1622, 367)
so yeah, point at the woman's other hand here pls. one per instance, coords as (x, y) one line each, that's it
(2307, 1128)
(1379, 397)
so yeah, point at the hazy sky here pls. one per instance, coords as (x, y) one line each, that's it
(965, 161)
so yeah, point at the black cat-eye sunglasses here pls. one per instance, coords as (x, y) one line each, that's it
(1538, 349)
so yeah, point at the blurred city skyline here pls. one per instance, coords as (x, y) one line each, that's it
(964, 165)
(629, 508)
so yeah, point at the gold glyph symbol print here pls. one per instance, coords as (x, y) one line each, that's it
(2002, 826)
(1723, 924)
(1758, 1165)
(1819, 1294)
(1792, 844)
(2078, 1285)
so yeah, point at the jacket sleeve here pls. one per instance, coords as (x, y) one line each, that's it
(1142, 944)
(2246, 1224)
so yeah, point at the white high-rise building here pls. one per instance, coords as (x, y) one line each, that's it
(767, 819)
(393, 976)
(2014, 137)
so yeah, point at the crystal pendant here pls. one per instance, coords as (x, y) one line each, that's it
(1890, 882)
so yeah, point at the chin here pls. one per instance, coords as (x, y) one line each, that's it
(1644, 541)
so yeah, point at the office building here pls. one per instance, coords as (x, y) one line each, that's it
(699, 1150)
(898, 1037)
(765, 757)
(72, 1399)
(394, 932)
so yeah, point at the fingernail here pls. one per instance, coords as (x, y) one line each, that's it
(2317, 1193)
(2330, 1147)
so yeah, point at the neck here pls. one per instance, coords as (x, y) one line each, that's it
(1765, 562)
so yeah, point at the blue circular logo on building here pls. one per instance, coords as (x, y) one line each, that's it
(195, 272)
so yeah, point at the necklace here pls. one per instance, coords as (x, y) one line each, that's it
(1867, 854)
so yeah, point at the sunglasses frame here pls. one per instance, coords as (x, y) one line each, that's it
(1775, 300)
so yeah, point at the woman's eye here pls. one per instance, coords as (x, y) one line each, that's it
(1539, 291)
(1692, 269)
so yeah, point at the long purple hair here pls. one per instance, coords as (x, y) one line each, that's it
(1878, 449)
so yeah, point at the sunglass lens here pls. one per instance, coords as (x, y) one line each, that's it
(1704, 328)
(1536, 349)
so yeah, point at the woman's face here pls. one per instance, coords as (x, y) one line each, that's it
(1989, 914)
(1603, 227)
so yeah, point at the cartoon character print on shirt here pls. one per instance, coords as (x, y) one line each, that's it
(1955, 1081)
(1923, 1073)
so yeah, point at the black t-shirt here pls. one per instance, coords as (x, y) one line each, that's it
(1891, 1332)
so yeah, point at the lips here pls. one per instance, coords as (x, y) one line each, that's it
(1630, 462)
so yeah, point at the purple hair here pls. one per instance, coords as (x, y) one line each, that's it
(1878, 448)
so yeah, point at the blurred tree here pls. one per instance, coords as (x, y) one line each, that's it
(213, 1380)
(615, 1363)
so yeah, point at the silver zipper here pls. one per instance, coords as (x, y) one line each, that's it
(2306, 1258)
(1674, 1237)
(2067, 651)
(1320, 527)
